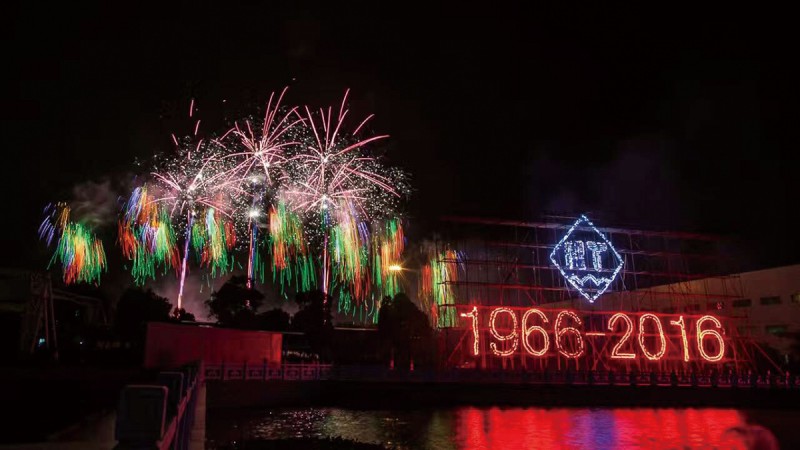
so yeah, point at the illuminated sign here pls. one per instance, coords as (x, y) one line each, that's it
(540, 333)
(587, 259)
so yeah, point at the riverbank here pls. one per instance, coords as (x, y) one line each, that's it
(351, 394)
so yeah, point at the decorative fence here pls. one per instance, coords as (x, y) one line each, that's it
(317, 372)
(288, 372)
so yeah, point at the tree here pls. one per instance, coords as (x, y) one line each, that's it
(181, 315)
(404, 330)
(136, 307)
(273, 320)
(234, 305)
(314, 320)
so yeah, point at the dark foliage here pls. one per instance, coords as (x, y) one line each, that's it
(404, 331)
(234, 304)
(273, 320)
(136, 307)
(314, 319)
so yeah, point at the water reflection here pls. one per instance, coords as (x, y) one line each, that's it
(591, 428)
(487, 428)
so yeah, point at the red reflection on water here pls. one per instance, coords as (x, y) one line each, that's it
(526, 428)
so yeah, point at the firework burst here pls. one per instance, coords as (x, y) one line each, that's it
(436, 291)
(335, 168)
(193, 188)
(78, 251)
(259, 149)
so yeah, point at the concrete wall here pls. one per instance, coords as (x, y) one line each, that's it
(170, 345)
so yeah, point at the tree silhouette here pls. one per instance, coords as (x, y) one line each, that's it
(136, 307)
(314, 320)
(404, 330)
(273, 320)
(234, 304)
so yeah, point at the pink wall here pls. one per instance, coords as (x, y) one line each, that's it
(170, 345)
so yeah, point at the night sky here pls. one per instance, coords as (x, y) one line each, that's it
(647, 119)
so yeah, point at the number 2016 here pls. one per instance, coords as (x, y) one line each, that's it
(565, 325)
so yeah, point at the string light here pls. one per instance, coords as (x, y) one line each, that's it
(526, 332)
(702, 334)
(559, 332)
(663, 348)
(682, 325)
(615, 352)
(577, 347)
(597, 249)
(514, 337)
(574, 256)
(474, 315)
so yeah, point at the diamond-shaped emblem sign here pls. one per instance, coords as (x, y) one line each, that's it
(587, 259)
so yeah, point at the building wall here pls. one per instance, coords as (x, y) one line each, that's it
(170, 345)
(722, 296)
(781, 282)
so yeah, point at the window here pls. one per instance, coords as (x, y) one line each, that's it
(692, 307)
(796, 298)
(742, 303)
(670, 310)
(776, 329)
(716, 305)
(770, 300)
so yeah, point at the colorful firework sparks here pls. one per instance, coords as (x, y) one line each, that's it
(388, 244)
(212, 240)
(193, 187)
(340, 188)
(328, 203)
(291, 263)
(334, 166)
(349, 258)
(78, 250)
(260, 147)
(197, 177)
(437, 278)
(146, 236)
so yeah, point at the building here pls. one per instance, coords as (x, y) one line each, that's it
(763, 305)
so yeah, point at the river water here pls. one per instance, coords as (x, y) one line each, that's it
(506, 428)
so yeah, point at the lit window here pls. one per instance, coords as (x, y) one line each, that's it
(776, 329)
(742, 303)
(796, 298)
(770, 300)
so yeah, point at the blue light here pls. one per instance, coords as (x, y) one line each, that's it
(574, 268)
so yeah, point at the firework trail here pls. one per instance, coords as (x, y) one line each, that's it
(146, 236)
(436, 291)
(78, 250)
(263, 162)
(192, 187)
(291, 263)
(340, 187)
(389, 243)
(334, 166)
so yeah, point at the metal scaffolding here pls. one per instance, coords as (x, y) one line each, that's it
(498, 263)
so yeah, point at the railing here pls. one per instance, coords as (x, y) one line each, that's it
(159, 415)
(314, 372)
(288, 372)
(591, 378)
